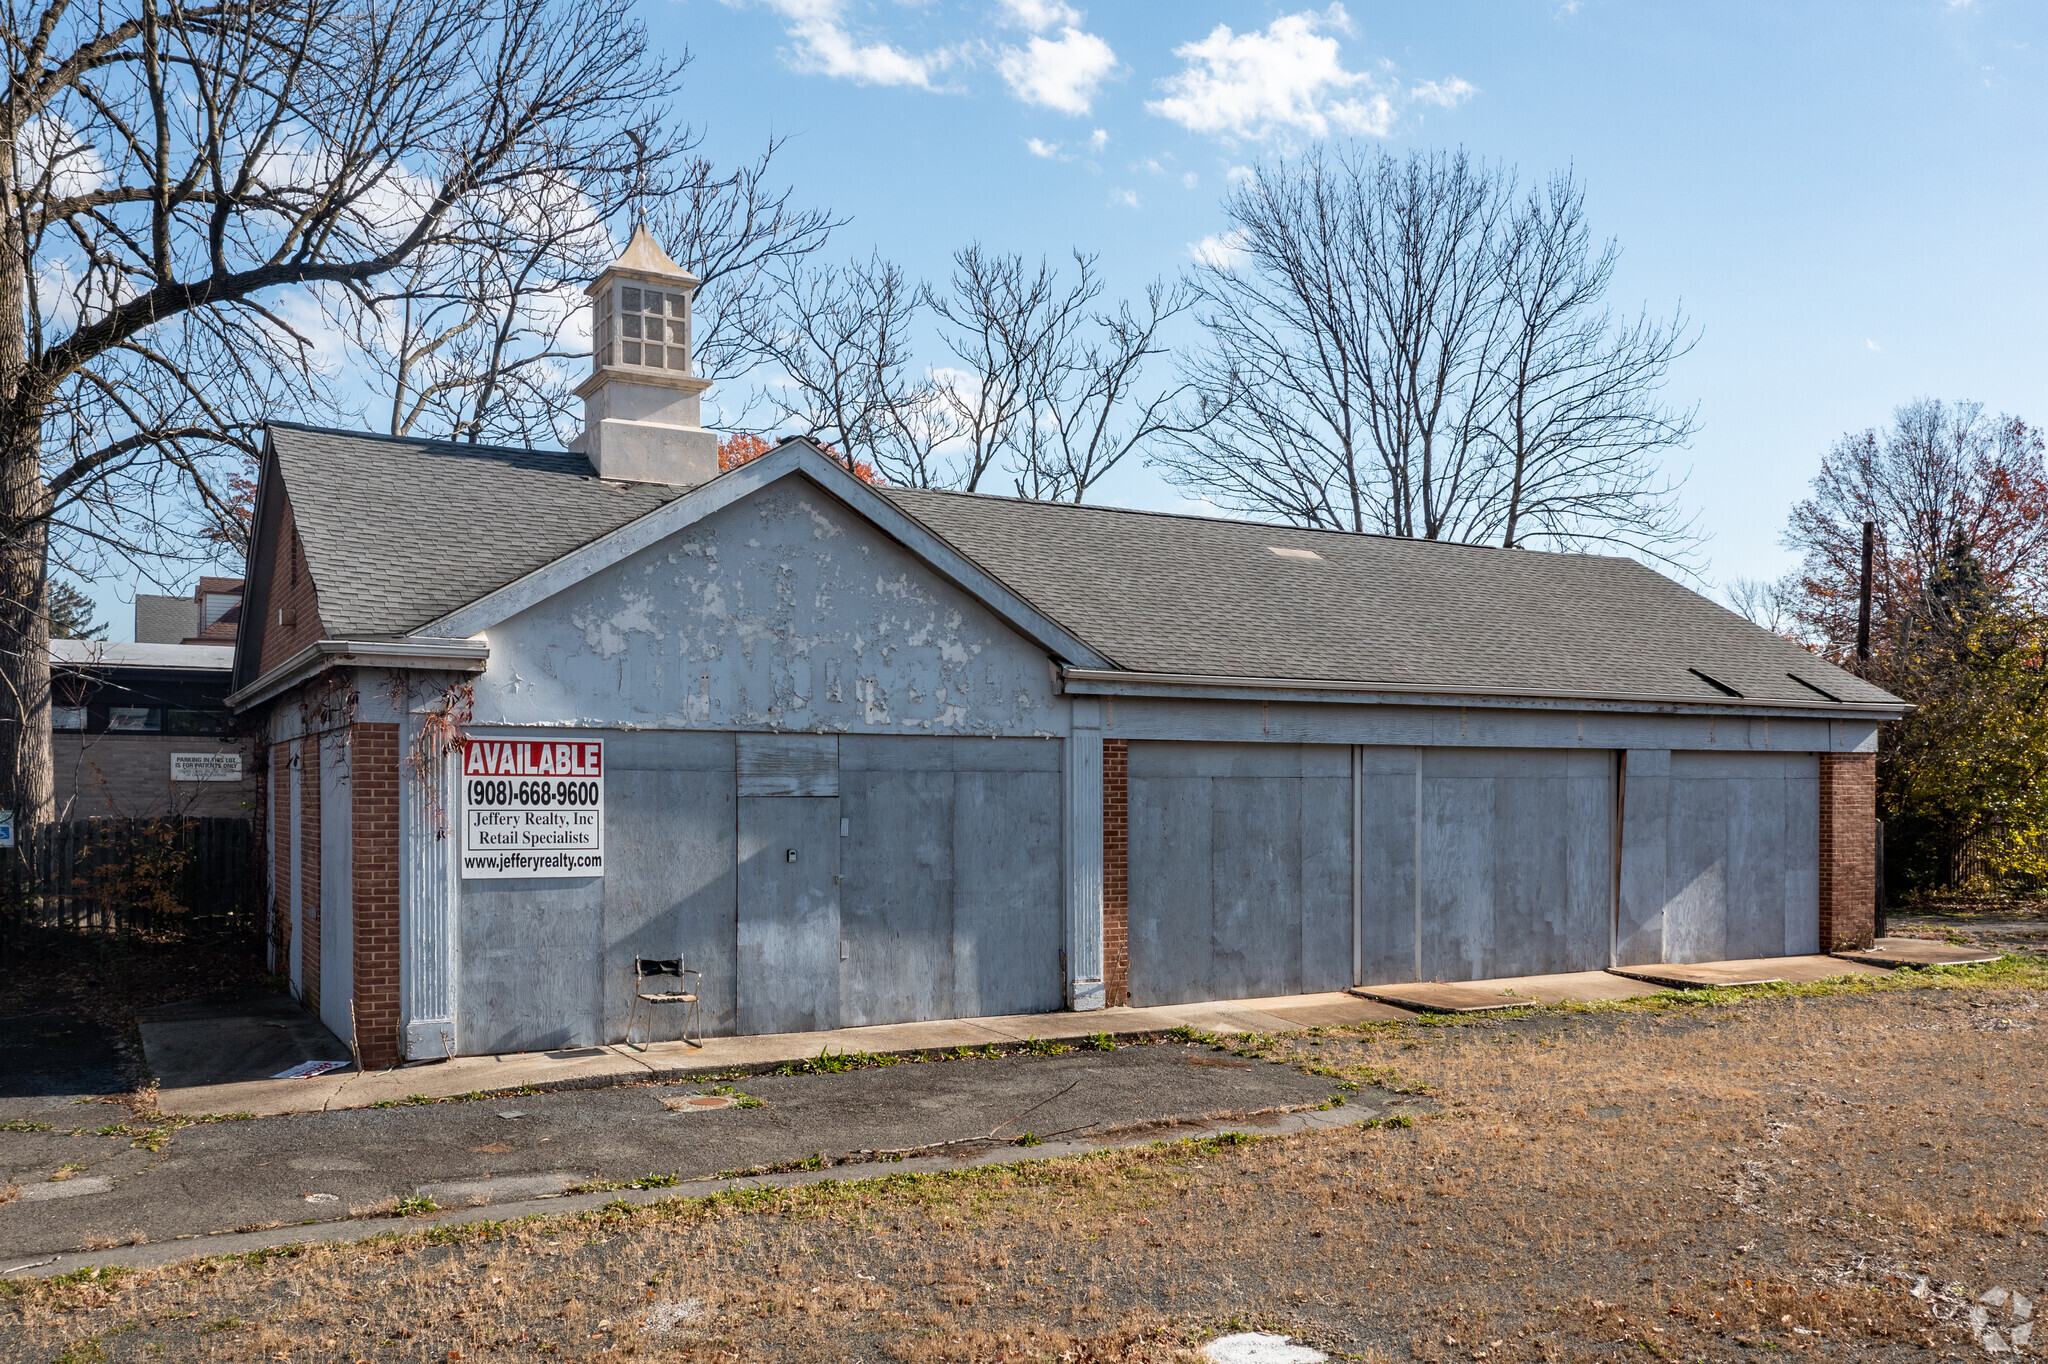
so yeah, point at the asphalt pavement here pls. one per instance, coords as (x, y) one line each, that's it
(318, 1167)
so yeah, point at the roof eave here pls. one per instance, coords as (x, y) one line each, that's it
(1118, 682)
(421, 655)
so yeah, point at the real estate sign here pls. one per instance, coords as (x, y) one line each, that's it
(532, 807)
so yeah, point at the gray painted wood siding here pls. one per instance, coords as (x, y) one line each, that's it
(1240, 870)
(950, 904)
(1743, 877)
(1517, 849)
(942, 899)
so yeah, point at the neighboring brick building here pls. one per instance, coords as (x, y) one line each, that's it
(143, 729)
(868, 754)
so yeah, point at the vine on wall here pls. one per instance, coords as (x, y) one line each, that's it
(443, 729)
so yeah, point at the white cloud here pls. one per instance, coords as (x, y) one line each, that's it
(1038, 147)
(1289, 77)
(1221, 251)
(1040, 15)
(1059, 73)
(1872, 344)
(1447, 94)
(826, 46)
(1190, 180)
(1098, 139)
(1125, 198)
(1239, 175)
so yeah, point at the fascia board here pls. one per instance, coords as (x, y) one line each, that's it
(1086, 681)
(424, 655)
(793, 458)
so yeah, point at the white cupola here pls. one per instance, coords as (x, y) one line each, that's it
(642, 413)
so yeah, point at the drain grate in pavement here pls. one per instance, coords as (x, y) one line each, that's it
(697, 1103)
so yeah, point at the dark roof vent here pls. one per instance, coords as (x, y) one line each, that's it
(1721, 687)
(1817, 690)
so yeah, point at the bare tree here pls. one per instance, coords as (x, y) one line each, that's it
(490, 346)
(1412, 347)
(183, 187)
(734, 232)
(1576, 417)
(837, 338)
(1765, 601)
(1000, 319)
(1091, 404)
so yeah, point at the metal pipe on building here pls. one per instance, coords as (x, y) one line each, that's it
(1863, 595)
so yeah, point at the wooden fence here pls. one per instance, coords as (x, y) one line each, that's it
(163, 875)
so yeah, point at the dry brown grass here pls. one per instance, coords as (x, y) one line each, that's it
(1696, 1183)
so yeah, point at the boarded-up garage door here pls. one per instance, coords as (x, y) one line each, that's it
(1743, 875)
(951, 901)
(1240, 870)
(1517, 850)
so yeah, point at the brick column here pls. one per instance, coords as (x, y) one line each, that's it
(1848, 850)
(309, 870)
(1116, 870)
(281, 926)
(373, 788)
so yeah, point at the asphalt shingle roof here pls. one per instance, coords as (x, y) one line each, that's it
(1188, 594)
(399, 532)
(163, 620)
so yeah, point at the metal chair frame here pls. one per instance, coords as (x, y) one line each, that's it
(665, 968)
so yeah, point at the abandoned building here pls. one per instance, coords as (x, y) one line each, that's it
(869, 754)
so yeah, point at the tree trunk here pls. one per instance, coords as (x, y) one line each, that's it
(27, 774)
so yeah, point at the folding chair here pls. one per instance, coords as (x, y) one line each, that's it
(647, 969)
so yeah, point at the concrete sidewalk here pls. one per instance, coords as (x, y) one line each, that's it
(595, 1067)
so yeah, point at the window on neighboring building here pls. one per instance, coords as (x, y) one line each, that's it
(217, 604)
(134, 719)
(192, 722)
(67, 717)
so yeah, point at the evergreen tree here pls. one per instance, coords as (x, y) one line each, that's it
(71, 614)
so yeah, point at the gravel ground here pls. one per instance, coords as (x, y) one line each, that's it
(1855, 1172)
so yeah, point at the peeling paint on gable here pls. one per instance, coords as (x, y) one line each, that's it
(783, 611)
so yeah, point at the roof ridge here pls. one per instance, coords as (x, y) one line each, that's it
(389, 439)
(1267, 525)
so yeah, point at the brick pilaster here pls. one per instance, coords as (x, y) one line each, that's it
(281, 924)
(309, 871)
(1116, 870)
(1848, 850)
(373, 788)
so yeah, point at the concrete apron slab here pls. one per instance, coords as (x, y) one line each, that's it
(1436, 997)
(360, 1229)
(596, 1067)
(1513, 992)
(1895, 952)
(1801, 970)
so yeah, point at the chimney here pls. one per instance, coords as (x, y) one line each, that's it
(641, 403)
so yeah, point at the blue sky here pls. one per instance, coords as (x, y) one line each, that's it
(1849, 199)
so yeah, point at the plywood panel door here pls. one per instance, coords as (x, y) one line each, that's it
(788, 913)
(1240, 870)
(1743, 874)
(1517, 861)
